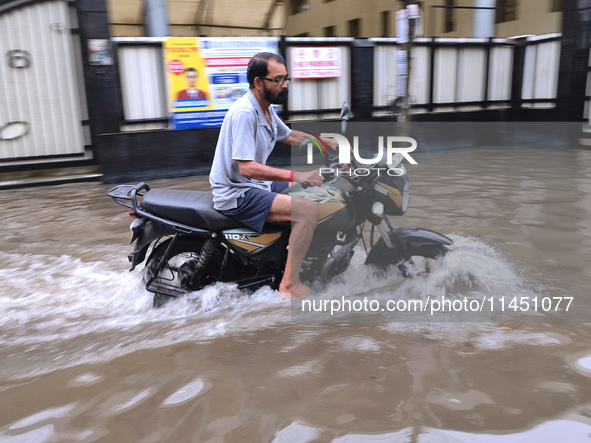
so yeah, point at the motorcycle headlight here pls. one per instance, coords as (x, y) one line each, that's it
(377, 209)
(391, 188)
(396, 160)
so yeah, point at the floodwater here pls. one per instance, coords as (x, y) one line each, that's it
(84, 357)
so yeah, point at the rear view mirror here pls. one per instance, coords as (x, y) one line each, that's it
(345, 111)
(345, 116)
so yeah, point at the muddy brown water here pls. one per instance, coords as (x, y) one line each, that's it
(85, 358)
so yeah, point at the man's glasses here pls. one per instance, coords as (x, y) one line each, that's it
(279, 80)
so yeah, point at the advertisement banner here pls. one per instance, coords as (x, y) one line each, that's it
(402, 26)
(188, 88)
(316, 62)
(206, 75)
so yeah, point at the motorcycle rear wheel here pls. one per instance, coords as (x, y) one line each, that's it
(177, 278)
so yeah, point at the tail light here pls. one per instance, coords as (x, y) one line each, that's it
(132, 213)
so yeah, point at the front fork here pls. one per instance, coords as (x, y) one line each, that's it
(393, 243)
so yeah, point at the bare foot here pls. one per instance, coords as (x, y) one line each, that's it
(299, 290)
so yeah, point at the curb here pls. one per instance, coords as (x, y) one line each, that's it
(49, 181)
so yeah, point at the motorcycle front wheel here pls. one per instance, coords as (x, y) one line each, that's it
(406, 267)
(178, 274)
(414, 246)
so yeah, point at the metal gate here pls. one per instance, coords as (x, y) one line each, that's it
(41, 95)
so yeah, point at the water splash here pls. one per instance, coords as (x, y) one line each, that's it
(472, 267)
(56, 311)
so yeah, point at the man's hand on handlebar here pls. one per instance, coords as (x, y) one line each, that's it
(312, 178)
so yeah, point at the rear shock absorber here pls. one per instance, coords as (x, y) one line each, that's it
(191, 271)
(206, 253)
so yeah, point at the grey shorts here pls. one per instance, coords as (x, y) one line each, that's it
(254, 206)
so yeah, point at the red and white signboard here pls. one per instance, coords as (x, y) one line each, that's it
(224, 62)
(316, 62)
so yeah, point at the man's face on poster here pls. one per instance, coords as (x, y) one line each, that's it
(191, 77)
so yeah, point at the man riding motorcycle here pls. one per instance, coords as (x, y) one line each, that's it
(244, 187)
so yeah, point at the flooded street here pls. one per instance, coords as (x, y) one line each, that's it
(84, 357)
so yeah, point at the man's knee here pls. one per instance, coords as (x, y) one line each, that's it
(314, 213)
(306, 212)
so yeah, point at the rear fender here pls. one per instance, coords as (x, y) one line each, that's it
(407, 242)
(145, 235)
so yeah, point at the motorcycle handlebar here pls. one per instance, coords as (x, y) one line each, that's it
(327, 176)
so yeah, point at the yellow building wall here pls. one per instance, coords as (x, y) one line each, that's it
(337, 13)
(533, 17)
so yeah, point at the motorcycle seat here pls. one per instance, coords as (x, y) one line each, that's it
(191, 208)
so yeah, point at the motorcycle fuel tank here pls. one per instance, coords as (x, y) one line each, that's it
(335, 208)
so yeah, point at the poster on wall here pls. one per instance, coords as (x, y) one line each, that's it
(316, 62)
(188, 87)
(206, 75)
(402, 26)
(99, 52)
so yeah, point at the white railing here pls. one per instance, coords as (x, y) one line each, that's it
(466, 74)
(540, 76)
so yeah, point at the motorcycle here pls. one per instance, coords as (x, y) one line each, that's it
(194, 246)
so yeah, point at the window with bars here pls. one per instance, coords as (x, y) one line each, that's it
(449, 24)
(329, 31)
(299, 6)
(385, 23)
(506, 11)
(355, 28)
(555, 5)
